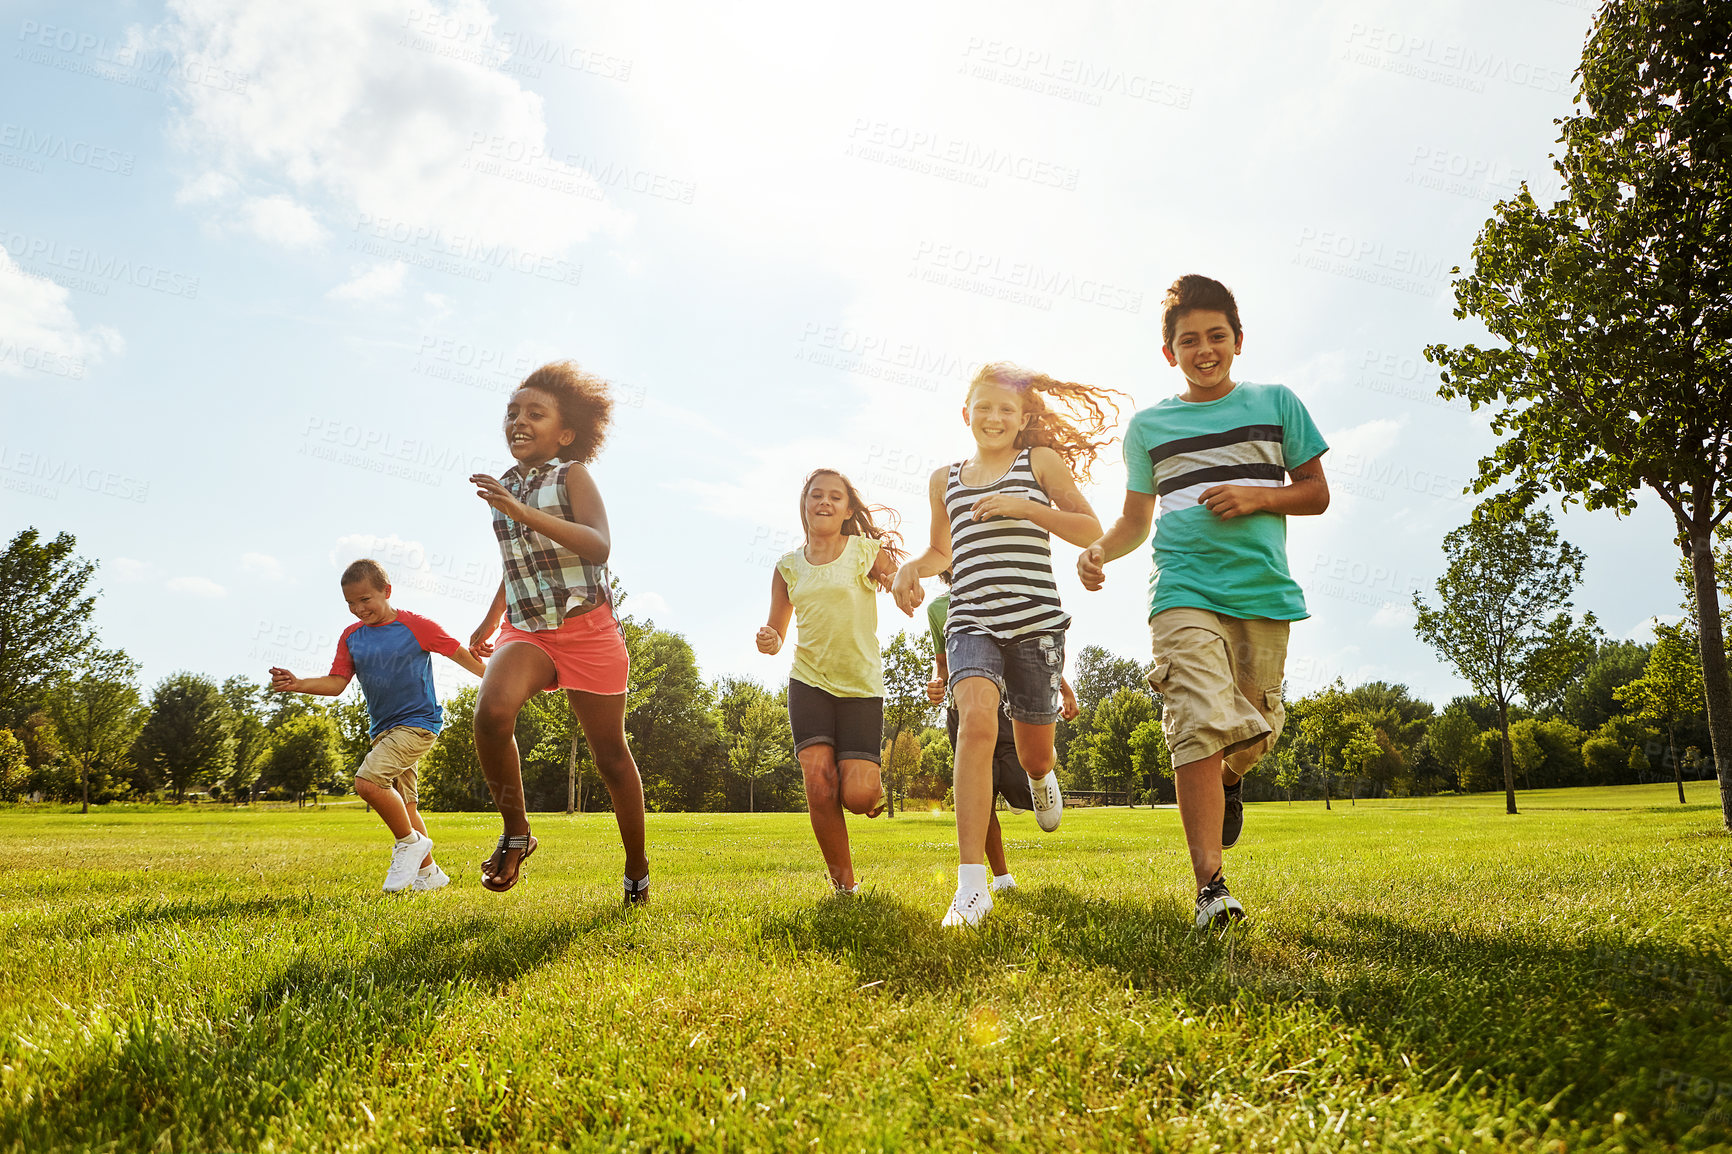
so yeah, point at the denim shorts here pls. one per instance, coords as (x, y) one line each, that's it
(1027, 671)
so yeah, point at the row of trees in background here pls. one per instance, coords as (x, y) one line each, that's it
(1559, 705)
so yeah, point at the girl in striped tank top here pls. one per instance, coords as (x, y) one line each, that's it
(993, 517)
(558, 630)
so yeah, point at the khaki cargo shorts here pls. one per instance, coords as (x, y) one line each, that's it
(1219, 679)
(390, 764)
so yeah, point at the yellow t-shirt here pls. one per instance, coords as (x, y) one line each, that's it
(836, 608)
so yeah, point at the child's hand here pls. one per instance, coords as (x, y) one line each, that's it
(481, 641)
(769, 641)
(498, 496)
(1068, 708)
(1002, 505)
(906, 589)
(1228, 501)
(1091, 567)
(935, 691)
(282, 681)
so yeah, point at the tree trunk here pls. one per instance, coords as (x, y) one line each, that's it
(1509, 805)
(1326, 804)
(1677, 766)
(751, 795)
(571, 776)
(86, 775)
(1715, 686)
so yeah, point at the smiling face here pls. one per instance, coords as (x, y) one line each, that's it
(535, 431)
(370, 604)
(995, 415)
(825, 506)
(1203, 349)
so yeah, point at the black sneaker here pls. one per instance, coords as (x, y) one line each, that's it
(637, 893)
(1233, 817)
(1217, 907)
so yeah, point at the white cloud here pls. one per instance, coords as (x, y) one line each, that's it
(367, 284)
(393, 552)
(281, 221)
(207, 187)
(128, 569)
(38, 331)
(196, 586)
(1643, 631)
(262, 565)
(369, 117)
(648, 605)
(1393, 614)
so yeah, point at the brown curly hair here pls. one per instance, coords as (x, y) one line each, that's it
(1066, 417)
(863, 521)
(585, 406)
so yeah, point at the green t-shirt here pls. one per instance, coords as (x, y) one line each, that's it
(1177, 449)
(937, 612)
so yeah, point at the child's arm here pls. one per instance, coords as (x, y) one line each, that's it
(481, 641)
(1306, 496)
(1067, 696)
(883, 571)
(467, 661)
(587, 535)
(940, 679)
(1069, 517)
(1129, 531)
(781, 609)
(282, 681)
(936, 559)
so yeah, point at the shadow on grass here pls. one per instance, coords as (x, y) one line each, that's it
(1595, 1028)
(180, 1079)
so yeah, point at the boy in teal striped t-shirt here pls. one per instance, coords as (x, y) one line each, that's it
(1225, 463)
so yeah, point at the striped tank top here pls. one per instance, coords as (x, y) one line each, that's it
(1002, 584)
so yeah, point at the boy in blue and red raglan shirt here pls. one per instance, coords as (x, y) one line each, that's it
(389, 650)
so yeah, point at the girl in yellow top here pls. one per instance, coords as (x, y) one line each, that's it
(836, 690)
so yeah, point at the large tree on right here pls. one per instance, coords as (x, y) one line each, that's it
(1614, 305)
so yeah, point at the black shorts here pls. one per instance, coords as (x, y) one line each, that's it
(1008, 777)
(852, 726)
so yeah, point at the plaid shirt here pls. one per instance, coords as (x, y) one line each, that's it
(544, 581)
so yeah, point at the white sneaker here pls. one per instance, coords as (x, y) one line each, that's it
(1048, 801)
(968, 907)
(431, 878)
(406, 861)
(1002, 882)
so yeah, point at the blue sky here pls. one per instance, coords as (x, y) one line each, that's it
(270, 272)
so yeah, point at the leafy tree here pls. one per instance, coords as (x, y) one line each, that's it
(674, 736)
(937, 759)
(902, 760)
(1614, 307)
(44, 618)
(186, 740)
(14, 766)
(1100, 673)
(1108, 746)
(246, 700)
(449, 776)
(764, 743)
(1328, 727)
(1150, 760)
(1454, 737)
(1670, 688)
(305, 752)
(1503, 616)
(1592, 698)
(97, 712)
(907, 660)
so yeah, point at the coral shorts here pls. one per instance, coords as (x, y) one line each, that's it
(587, 651)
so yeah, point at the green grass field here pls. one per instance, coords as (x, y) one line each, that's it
(1419, 975)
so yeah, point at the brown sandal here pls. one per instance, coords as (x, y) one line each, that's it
(523, 842)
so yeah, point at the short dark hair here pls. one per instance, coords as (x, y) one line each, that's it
(366, 569)
(1191, 293)
(585, 406)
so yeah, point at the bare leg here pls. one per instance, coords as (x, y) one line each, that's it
(387, 804)
(421, 826)
(603, 721)
(1034, 748)
(1201, 807)
(516, 673)
(995, 846)
(976, 735)
(824, 807)
(862, 786)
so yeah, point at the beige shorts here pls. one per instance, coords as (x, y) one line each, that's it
(1219, 679)
(390, 764)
